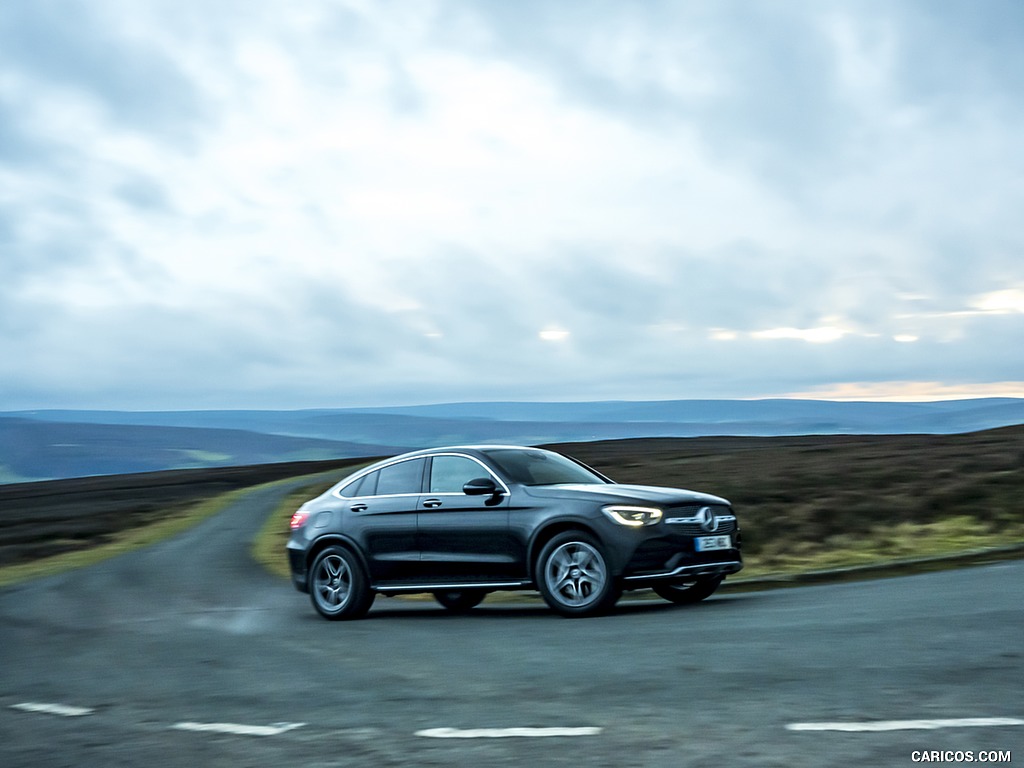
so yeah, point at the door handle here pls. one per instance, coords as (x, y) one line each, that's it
(432, 503)
(358, 507)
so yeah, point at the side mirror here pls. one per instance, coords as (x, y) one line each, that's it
(481, 486)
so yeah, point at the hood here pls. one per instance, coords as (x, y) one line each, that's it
(614, 493)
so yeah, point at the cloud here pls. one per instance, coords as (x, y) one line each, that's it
(1006, 301)
(236, 203)
(82, 51)
(821, 335)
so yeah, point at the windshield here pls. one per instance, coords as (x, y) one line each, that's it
(538, 467)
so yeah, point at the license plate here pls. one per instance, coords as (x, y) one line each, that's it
(708, 543)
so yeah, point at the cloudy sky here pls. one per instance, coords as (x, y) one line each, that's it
(235, 203)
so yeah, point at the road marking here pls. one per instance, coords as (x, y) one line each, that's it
(504, 733)
(53, 709)
(238, 729)
(877, 726)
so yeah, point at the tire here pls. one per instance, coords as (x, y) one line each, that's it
(338, 585)
(573, 577)
(460, 600)
(687, 592)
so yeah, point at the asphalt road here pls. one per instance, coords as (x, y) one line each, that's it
(187, 654)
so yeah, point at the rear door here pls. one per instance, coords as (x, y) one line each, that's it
(465, 538)
(384, 506)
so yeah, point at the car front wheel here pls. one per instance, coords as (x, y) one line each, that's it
(338, 585)
(573, 575)
(686, 592)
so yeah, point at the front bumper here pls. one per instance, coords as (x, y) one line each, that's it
(700, 570)
(668, 552)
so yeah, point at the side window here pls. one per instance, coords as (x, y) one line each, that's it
(449, 473)
(403, 477)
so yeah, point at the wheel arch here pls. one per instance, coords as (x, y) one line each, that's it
(547, 533)
(331, 539)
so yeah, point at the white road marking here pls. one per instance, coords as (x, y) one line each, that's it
(877, 726)
(53, 709)
(238, 729)
(504, 733)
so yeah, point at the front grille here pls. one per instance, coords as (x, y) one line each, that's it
(687, 526)
(694, 529)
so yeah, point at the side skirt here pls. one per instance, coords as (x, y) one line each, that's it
(396, 588)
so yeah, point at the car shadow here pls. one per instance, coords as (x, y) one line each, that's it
(391, 609)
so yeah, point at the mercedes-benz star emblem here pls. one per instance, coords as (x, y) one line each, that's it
(706, 518)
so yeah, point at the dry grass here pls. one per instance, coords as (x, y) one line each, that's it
(268, 547)
(805, 503)
(113, 543)
(52, 526)
(825, 501)
(810, 503)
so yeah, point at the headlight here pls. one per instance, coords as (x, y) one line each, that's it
(633, 516)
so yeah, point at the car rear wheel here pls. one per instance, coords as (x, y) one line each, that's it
(686, 592)
(338, 585)
(573, 575)
(460, 600)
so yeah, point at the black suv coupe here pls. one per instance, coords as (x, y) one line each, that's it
(462, 522)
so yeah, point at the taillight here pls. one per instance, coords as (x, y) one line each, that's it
(299, 519)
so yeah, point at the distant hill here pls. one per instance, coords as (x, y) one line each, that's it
(46, 450)
(63, 443)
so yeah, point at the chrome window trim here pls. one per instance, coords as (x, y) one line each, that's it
(498, 480)
(382, 496)
(336, 491)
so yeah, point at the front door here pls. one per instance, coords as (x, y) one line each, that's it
(463, 538)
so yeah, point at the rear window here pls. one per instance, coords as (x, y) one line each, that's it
(364, 486)
(403, 477)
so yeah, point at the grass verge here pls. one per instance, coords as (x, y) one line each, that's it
(905, 542)
(122, 542)
(268, 547)
(884, 551)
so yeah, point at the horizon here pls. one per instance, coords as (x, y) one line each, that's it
(42, 444)
(442, 404)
